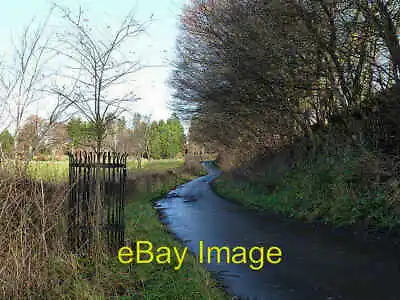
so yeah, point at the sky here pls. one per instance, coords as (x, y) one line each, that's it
(155, 48)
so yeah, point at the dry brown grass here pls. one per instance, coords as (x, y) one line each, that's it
(31, 234)
(151, 181)
(192, 164)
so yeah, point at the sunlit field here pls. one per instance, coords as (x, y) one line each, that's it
(52, 171)
(154, 165)
(57, 171)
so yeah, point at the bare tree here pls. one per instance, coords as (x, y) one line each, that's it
(141, 137)
(252, 72)
(97, 69)
(385, 17)
(92, 82)
(22, 80)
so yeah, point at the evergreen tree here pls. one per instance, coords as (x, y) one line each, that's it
(75, 129)
(6, 141)
(164, 139)
(155, 141)
(81, 133)
(176, 136)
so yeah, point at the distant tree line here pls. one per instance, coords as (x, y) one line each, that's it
(141, 138)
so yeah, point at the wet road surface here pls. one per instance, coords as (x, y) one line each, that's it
(315, 264)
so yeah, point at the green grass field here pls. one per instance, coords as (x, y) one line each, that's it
(57, 171)
(51, 171)
(155, 165)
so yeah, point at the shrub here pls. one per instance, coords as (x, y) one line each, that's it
(32, 235)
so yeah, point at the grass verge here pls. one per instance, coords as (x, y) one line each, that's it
(346, 190)
(192, 281)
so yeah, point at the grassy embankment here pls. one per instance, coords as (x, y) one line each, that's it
(36, 264)
(348, 188)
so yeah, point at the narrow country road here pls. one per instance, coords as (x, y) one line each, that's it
(316, 264)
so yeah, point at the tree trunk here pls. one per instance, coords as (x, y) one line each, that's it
(97, 226)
